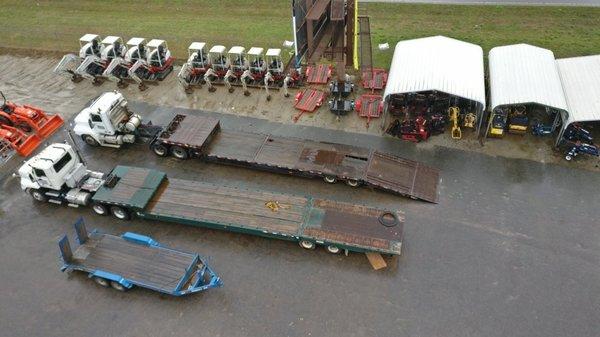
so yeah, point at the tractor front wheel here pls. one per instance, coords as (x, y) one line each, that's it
(179, 152)
(160, 150)
(120, 213)
(89, 140)
(38, 195)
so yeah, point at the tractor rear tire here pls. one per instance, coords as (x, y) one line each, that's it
(38, 195)
(24, 127)
(179, 152)
(120, 213)
(160, 150)
(89, 140)
(100, 209)
(5, 121)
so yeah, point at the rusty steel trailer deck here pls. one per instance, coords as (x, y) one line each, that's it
(198, 136)
(338, 226)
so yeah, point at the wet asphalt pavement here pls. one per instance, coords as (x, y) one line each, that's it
(512, 249)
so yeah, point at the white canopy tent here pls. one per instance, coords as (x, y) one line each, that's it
(580, 78)
(438, 63)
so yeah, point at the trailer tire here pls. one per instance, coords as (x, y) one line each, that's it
(38, 195)
(306, 244)
(386, 221)
(120, 213)
(160, 150)
(330, 179)
(99, 209)
(179, 152)
(333, 249)
(117, 286)
(89, 140)
(101, 281)
(352, 182)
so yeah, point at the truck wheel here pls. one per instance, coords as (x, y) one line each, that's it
(179, 152)
(330, 179)
(38, 195)
(117, 286)
(307, 244)
(101, 281)
(352, 182)
(333, 249)
(99, 209)
(119, 213)
(160, 150)
(89, 140)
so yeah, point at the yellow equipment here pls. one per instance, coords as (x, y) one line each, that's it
(470, 120)
(453, 113)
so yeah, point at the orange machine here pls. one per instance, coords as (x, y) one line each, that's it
(28, 118)
(22, 143)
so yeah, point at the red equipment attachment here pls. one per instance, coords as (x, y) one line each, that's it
(414, 130)
(374, 79)
(18, 140)
(369, 106)
(29, 118)
(319, 74)
(308, 100)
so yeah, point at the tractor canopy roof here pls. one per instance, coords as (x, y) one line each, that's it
(89, 38)
(273, 52)
(136, 41)
(255, 51)
(196, 46)
(111, 40)
(217, 49)
(236, 50)
(155, 43)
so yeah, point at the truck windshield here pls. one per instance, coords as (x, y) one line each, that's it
(62, 162)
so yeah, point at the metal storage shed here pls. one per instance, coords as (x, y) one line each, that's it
(523, 74)
(580, 78)
(438, 64)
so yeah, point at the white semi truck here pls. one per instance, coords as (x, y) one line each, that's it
(106, 121)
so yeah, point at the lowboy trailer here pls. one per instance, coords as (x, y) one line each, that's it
(107, 121)
(57, 175)
(131, 259)
(198, 136)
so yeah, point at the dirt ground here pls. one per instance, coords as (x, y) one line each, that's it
(30, 80)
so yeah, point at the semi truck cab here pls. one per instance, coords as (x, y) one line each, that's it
(107, 121)
(57, 175)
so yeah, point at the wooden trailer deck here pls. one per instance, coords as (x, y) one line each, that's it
(284, 216)
(304, 157)
(156, 267)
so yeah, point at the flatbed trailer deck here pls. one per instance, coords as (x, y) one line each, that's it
(135, 260)
(199, 136)
(338, 226)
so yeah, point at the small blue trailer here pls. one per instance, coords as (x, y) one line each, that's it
(136, 260)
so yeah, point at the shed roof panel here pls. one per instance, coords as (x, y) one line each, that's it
(521, 74)
(580, 79)
(437, 63)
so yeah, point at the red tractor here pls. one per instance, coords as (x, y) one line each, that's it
(28, 118)
(16, 139)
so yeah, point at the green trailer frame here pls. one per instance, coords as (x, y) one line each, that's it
(150, 194)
